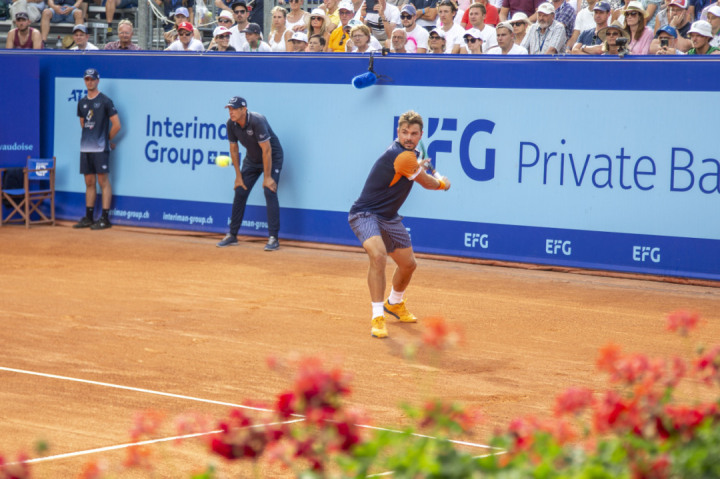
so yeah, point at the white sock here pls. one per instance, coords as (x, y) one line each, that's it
(377, 309)
(395, 296)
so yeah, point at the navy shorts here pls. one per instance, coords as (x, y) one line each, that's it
(393, 233)
(95, 163)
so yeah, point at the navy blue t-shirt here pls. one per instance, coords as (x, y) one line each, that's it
(379, 195)
(589, 38)
(257, 130)
(96, 129)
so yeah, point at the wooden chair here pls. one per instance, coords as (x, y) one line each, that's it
(38, 186)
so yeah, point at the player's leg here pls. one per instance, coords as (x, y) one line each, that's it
(273, 213)
(367, 229)
(402, 253)
(106, 189)
(250, 176)
(88, 172)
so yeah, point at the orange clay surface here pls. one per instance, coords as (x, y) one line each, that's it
(170, 312)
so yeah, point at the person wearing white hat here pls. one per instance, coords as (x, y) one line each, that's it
(473, 39)
(436, 41)
(700, 36)
(713, 18)
(340, 36)
(519, 23)
(547, 35)
(298, 42)
(221, 40)
(506, 41)
(318, 24)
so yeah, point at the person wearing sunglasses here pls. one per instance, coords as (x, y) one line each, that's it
(180, 15)
(237, 37)
(473, 42)
(519, 23)
(186, 41)
(318, 24)
(609, 36)
(436, 42)
(585, 22)
(297, 17)
(417, 36)
(640, 34)
(226, 19)
(506, 41)
(221, 40)
(279, 32)
(340, 36)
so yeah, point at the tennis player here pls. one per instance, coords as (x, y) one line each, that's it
(375, 221)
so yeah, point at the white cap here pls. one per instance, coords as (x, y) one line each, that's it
(300, 36)
(546, 8)
(438, 31)
(346, 5)
(715, 10)
(227, 14)
(520, 17)
(473, 32)
(701, 27)
(220, 30)
(318, 12)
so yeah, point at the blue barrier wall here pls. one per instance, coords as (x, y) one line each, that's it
(584, 162)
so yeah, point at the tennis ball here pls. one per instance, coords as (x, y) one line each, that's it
(223, 161)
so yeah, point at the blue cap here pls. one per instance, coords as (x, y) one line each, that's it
(602, 6)
(92, 73)
(236, 102)
(667, 29)
(181, 11)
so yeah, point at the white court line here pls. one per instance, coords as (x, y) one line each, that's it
(144, 443)
(129, 388)
(190, 398)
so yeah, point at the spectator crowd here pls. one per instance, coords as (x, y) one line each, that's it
(437, 27)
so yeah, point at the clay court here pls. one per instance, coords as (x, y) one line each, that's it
(168, 312)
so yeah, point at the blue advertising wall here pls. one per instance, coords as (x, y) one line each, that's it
(593, 163)
(20, 107)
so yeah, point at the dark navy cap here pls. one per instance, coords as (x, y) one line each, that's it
(236, 102)
(92, 73)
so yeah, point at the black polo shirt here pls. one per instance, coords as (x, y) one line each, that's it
(257, 130)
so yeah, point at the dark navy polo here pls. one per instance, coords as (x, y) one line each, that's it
(257, 130)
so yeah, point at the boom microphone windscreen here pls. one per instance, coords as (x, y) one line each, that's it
(364, 80)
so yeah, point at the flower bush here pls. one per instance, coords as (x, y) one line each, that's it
(636, 428)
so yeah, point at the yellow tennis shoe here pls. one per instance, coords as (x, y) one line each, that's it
(378, 327)
(400, 311)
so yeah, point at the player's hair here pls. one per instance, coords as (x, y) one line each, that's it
(480, 6)
(411, 118)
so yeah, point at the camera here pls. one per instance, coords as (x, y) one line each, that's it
(664, 42)
(621, 42)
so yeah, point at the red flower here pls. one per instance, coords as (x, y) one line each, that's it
(609, 355)
(614, 414)
(682, 322)
(573, 401)
(284, 405)
(707, 366)
(439, 334)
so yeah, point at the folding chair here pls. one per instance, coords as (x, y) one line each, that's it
(38, 186)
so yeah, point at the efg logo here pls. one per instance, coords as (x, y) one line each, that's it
(556, 246)
(473, 240)
(440, 144)
(642, 253)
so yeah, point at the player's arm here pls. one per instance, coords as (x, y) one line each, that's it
(268, 181)
(10, 39)
(406, 165)
(37, 40)
(235, 156)
(114, 129)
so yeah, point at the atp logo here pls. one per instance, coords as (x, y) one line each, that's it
(442, 140)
